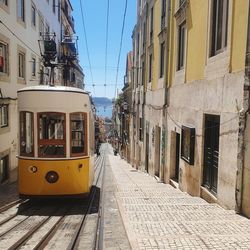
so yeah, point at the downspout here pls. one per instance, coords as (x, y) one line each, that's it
(242, 126)
(166, 76)
(166, 82)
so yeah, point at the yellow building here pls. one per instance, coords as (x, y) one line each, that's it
(190, 97)
(207, 104)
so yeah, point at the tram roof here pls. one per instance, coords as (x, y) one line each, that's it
(53, 88)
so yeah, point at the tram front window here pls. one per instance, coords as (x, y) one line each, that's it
(26, 134)
(78, 122)
(51, 134)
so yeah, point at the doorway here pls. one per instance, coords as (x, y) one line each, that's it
(4, 166)
(147, 152)
(211, 152)
(177, 156)
(157, 150)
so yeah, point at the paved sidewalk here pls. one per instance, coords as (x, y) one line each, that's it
(158, 216)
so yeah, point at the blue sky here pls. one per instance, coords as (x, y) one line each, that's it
(95, 16)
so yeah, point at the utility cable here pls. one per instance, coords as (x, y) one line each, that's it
(119, 56)
(86, 41)
(19, 38)
(106, 47)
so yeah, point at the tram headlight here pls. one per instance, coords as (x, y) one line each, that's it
(33, 169)
(52, 177)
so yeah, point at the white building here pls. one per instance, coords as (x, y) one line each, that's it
(22, 24)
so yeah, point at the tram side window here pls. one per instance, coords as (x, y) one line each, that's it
(78, 124)
(26, 134)
(51, 138)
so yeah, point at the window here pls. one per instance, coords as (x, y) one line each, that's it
(26, 133)
(140, 129)
(47, 30)
(4, 166)
(3, 58)
(20, 10)
(143, 73)
(51, 135)
(33, 69)
(144, 36)
(163, 14)
(150, 68)
(59, 11)
(4, 115)
(21, 65)
(138, 44)
(187, 144)
(181, 45)
(78, 125)
(162, 51)
(5, 2)
(219, 26)
(151, 24)
(33, 15)
(41, 23)
(54, 6)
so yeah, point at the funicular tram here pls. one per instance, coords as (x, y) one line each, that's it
(56, 149)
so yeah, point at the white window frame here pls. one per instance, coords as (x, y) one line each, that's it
(181, 46)
(33, 67)
(4, 54)
(33, 15)
(41, 23)
(21, 64)
(150, 65)
(54, 6)
(21, 10)
(4, 2)
(162, 59)
(4, 114)
(216, 48)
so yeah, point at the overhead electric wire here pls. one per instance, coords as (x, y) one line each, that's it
(106, 47)
(86, 42)
(19, 38)
(119, 56)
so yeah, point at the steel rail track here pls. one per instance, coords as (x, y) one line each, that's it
(12, 204)
(48, 221)
(99, 179)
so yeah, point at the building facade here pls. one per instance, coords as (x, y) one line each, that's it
(24, 26)
(191, 61)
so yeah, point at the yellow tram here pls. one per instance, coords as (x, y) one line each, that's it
(56, 149)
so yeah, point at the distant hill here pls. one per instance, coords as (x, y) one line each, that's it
(102, 101)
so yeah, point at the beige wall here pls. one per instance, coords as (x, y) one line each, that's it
(27, 42)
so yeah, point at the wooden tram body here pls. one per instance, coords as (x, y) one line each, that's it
(56, 148)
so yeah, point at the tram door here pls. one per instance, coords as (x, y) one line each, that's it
(211, 152)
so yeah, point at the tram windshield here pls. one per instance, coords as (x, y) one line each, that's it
(51, 134)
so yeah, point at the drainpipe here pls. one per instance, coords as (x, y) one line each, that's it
(242, 126)
(166, 76)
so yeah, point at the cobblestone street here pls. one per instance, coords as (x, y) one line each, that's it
(141, 213)
(158, 216)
